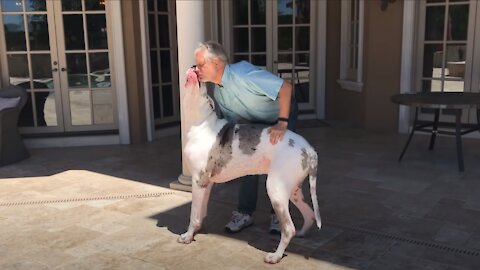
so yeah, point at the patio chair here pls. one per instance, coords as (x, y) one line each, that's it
(12, 148)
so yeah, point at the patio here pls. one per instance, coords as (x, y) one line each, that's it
(109, 207)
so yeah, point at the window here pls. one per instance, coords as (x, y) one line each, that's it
(351, 45)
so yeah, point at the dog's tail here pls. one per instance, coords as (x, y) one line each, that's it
(312, 172)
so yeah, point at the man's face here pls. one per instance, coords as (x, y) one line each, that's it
(206, 68)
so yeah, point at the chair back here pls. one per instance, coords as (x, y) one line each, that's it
(12, 91)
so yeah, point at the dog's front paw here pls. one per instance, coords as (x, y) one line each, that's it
(272, 258)
(185, 238)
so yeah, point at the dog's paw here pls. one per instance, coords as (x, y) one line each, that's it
(272, 258)
(185, 238)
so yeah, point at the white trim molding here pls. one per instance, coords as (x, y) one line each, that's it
(407, 66)
(119, 70)
(321, 58)
(346, 80)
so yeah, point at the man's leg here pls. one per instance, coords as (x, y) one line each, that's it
(247, 204)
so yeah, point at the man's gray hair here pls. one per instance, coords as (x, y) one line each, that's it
(213, 50)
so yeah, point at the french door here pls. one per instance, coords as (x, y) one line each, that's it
(449, 51)
(277, 35)
(59, 51)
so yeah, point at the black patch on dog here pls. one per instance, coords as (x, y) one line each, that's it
(249, 137)
(304, 159)
(221, 152)
(291, 143)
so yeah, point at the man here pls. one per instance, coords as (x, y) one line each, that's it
(245, 93)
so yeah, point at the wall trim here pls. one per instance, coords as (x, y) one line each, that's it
(119, 70)
(407, 66)
(321, 58)
(72, 141)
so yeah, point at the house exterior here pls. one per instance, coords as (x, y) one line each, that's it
(109, 72)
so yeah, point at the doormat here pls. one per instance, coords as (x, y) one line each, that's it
(311, 123)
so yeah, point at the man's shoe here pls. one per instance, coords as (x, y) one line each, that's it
(238, 222)
(275, 225)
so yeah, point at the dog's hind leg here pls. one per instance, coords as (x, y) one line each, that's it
(308, 216)
(279, 192)
(199, 201)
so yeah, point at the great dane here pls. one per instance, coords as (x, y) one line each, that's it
(217, 151)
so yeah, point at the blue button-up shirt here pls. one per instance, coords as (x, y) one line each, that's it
(248, 92)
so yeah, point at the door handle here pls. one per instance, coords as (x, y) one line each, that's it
(63, 69)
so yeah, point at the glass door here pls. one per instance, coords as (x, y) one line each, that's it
(88, 97)
(446, 49)
(58, 51)
(276, 35)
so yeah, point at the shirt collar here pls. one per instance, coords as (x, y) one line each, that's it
(226, 73)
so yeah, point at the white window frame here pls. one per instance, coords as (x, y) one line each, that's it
(345, 45)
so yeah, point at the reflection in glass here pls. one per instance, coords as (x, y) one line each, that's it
(11, 5)
(259, 60)
(167, 100)
(95, 4)
(71, 5)
(77, 70)
(302, 60)
(150, 5)
(434, 23)
(42, 71)
(240, 35)
(102, 107)
(453, 86)
(97, 31)
(240, 12)
(285, 39)
(40, 102)
(432, 61)
(302, 11)
(80, 107)
(152, 31)
(285, 11)
(25, 118)
(38, 32)
(163, 30)
(99, 70)
(162, 5)
(74, 38)
(303, 38)
(284, 66)
(166, 67)
(258, 13)
(259, 39)
(14, 32)
(36, 5)
(156, 102)
(431, 86)
(455, 58)
(154, 66)
(458, 22)
(49, 110)
(240, 57)
(18, 69)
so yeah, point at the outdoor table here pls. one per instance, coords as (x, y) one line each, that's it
(437, 101)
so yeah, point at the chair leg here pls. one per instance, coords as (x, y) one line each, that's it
(458, 135)
(410, 136)
(434, 129)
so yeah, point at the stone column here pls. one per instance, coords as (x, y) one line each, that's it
(190, 32)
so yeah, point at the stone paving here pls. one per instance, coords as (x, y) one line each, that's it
(109, 207)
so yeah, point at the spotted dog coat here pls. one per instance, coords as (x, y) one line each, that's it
(217, 151)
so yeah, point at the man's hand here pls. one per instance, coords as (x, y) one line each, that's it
(277, 132)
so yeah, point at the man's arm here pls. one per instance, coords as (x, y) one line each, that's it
(284, 100)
